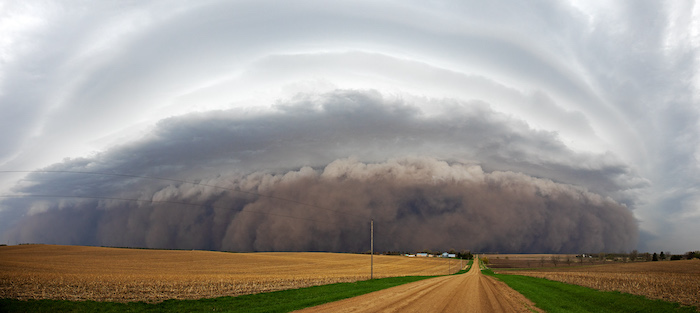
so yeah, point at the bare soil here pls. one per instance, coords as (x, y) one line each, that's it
(469, 292)
(540, 260)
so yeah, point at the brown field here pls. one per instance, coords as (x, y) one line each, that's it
(675, 281)
(538, 260)
(114, 274)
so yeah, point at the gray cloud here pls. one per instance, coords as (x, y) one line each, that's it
(316, 129)
(227, 148)
(418, 203)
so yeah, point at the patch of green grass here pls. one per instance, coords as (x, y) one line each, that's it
(553, 296)
(469, 266)
(278, 301)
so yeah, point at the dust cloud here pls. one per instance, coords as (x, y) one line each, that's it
(416, 203)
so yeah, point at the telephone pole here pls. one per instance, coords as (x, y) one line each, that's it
(371, 249)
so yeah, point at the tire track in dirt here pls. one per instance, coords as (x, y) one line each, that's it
(469, 292)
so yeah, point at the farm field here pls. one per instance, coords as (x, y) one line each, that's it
(124, 275)
(674, 281)
(538, 260)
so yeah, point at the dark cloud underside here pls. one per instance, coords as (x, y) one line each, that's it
(418, 203)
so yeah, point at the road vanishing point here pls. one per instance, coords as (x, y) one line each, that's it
(468, 292)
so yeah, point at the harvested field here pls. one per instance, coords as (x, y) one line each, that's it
(675, 281)
(114, 274)
(539, 260)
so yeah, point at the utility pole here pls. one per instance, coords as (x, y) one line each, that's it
(371, 249)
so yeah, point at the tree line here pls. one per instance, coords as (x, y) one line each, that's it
(636, 256)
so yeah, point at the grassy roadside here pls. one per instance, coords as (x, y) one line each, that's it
(466, 269)
(553, 296)
(278, 301)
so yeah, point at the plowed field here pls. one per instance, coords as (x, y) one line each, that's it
(675, 281)
(112, 274)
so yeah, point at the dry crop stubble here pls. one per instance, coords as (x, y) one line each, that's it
(497, 261)
(675, 281)
(113, 274)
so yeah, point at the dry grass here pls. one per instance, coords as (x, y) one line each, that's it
(112, 274)
(675, 281)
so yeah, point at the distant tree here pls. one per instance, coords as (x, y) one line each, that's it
(646, 256)
(662, 256)
(555, 260)
(696, 254)
(655, 257)
(542, 262)
(692, 255)
(395, 253)
(568, 260)
(601, 256)
(633, 255)
(465, 254)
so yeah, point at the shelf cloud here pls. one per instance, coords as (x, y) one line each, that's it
(416, 203)
(430, 200)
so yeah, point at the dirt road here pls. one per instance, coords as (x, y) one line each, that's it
(469, 292)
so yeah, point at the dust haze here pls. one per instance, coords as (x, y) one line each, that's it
(416, 202)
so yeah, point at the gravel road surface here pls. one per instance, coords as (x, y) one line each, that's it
(469, 292)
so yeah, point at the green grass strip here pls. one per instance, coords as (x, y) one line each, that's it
(554, 296)
(278, 301)
(469, 266)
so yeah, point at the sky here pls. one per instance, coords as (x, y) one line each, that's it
(509, 126)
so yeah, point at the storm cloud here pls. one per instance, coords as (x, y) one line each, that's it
(417, 203)
(435, 199)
